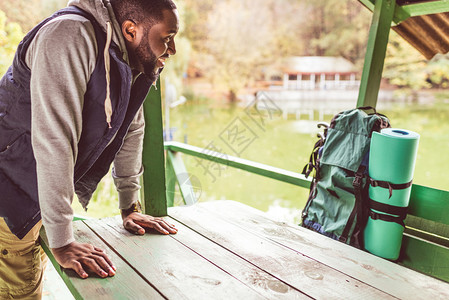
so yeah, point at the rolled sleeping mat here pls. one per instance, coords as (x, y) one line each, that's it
(391, 164)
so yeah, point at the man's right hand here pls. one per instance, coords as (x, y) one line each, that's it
(83, 258)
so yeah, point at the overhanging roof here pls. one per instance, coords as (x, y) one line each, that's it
(422, 23)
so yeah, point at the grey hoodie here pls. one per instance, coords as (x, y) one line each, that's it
(62, 58)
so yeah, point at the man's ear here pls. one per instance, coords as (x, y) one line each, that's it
(129, 31)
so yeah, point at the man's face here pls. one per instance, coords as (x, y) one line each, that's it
(156, 45)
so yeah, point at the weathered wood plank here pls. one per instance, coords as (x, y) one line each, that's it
(311, 277)
(174, 270)
(255, 278)
(126, 284)
(374, 271)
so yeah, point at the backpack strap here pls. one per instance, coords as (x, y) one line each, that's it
(314, 164)
(314, 158)
(359, 210)
(399, 212)
(388, 185)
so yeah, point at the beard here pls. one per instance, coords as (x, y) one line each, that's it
(147, 59)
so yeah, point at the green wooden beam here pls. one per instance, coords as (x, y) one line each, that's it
(182, 177)
(426, 232)
(429, 203)
(375, 52)
(421, 9)
(170, 178)
(243, 164)
(368, 4)
(425, 257)
(402, 13)
(153, 191)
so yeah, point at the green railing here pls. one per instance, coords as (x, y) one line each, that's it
(176, 171)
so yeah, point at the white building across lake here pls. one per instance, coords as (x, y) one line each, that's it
(318, 72)
(313, 86)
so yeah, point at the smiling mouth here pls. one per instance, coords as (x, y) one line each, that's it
(161, 62)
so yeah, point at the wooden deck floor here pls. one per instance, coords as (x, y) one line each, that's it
(227, 250)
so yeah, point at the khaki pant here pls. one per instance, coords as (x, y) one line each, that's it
(22, 264)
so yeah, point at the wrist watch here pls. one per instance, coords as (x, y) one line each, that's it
(135, 207)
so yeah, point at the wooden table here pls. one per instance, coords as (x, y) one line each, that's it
(227, 250)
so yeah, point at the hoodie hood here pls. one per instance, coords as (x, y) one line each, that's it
(102, 11)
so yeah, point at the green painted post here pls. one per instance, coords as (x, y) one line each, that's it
(170, 176)
(182, 177)
(153, 191)
(375, 52)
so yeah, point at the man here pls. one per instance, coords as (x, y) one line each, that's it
(70, 105)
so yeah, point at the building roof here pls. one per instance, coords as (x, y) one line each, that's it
(317, 64)
(428, 32)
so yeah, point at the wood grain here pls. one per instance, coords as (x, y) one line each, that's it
(254, 277)
(175, 270)
(384, 275)
(126, 284)
(310, 276)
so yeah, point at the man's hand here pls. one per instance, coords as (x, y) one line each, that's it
(136, 222)
(82, 257)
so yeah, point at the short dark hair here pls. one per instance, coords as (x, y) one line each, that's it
(141, 11)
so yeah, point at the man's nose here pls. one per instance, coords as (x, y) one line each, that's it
(171, 48)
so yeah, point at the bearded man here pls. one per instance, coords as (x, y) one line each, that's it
(70, 106)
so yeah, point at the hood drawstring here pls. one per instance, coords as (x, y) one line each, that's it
(107, 66)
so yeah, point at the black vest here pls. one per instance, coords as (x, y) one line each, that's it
(19, 202)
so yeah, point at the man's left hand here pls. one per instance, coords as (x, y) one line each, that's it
(136, 223)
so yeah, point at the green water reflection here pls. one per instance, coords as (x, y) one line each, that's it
(281, 142)
(287, 143)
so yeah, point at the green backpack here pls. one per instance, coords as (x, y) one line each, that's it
(336, 205)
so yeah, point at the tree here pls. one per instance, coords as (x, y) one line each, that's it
(337, 28)
(239, 41)
(10, 36)
(404, 66)
(438, 71)
(238, 38)
(25, 13)
(176, 67)
(16, 15)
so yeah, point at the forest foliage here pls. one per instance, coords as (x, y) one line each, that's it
(232, 42)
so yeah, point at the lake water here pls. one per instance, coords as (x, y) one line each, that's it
(284, 141)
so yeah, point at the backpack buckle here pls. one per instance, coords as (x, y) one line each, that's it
(373, 183)
(357, 180)
(342, 239)
(304, 214)
(373, 215)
